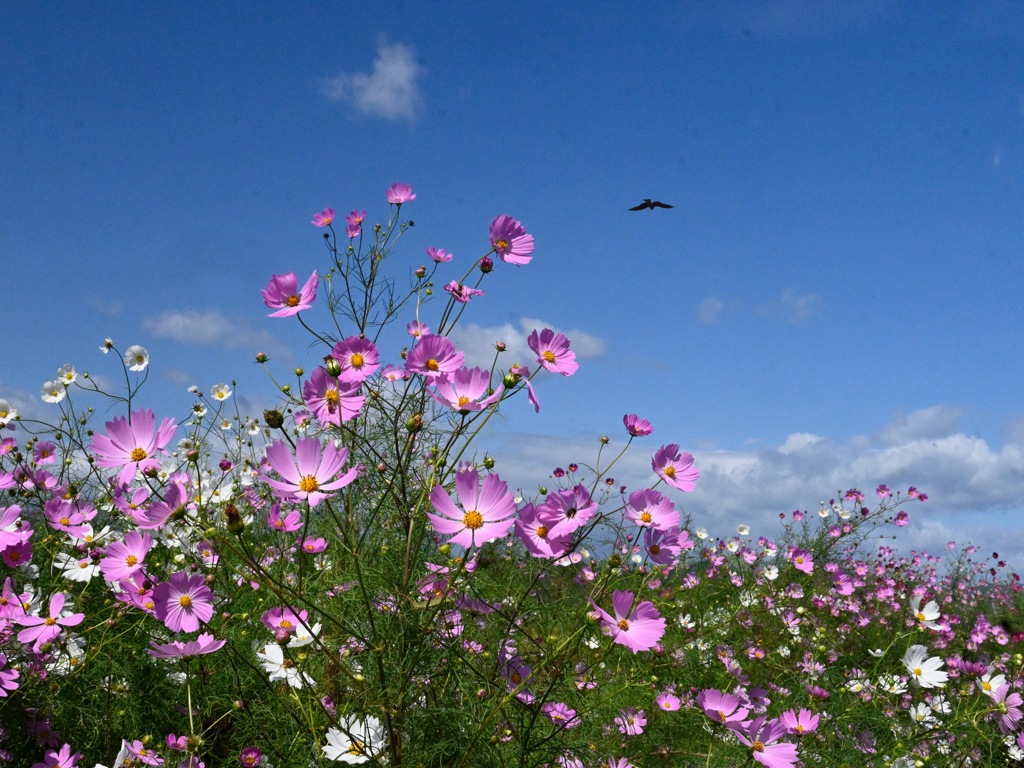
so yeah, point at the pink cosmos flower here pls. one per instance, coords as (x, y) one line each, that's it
(283, 294)
(510, 241)
(521, 372)
(175, 501)
(664, 546)
(432, 356)
(354, 223)
(205, 643)
(803, 560)
(143, 754)
(417, 329)
(631, 721)
(124, 559)
(649, 509)
(1008, 708)
(638, 628)
(8, 678)
(13, 530)
(359, 358)
(533, 528)
(799, 723)
(44, 453)
(486, 514)
(667, 702)
(462, 293)
(762, 736)
(560, 714)
(675, 468)
(291, 522)
(332, 400)
(553, 353)
(636, 426)
(465, 390)
(721, 707)
(399, 193)
(61, 759)
(440, 255)
(567, 510)
(322, 219)
(43, 629)
(309, 473)
(132, 443)
(183, 601)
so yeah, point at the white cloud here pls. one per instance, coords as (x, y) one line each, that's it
(478, 342)
(210, 328)
(710, 310)
(791, 307)
(976, 491)
(389, 91)
(926, 423)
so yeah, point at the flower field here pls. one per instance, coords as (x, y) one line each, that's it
(346, 577)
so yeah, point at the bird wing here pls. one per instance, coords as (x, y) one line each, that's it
(659, 204)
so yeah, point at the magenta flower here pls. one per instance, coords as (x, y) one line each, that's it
(183, 601)
(250, 757)
(486, 514)
(61, 759)
(799, 723)
(803, 560)
(553, 353)
(675, 468)
(762, 736)
(465, 390)
(124, 559)
(13, 530)
(440, 255)
(667, 702)
(461, 293)
(521, 372)
(8, 678)
(533, 528)
(432, 356)
(132, 444)
(664, 546)
(510, 241)
(721, 707)
(399, 193)
(560, 714)
(359, 358)
(322, 219)
(567, 510)
(649, 509)
(43, 629)
(283, 294)
(636, 426)
(354, 224)
(205, 643)
(1008, 710)
(175, 501)
(631, 721)
(638, 628)
(309, 473)
(291, 522)
(332, 400)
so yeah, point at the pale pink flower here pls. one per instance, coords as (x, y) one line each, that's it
(308, 473)
(43, 629)
(284, 295)
(675, 468)
(183, 601)
(486, 513)
(553, 353)
(510, 241)
(639, 627)
(399, 193)
(132, 444)
(322, 219)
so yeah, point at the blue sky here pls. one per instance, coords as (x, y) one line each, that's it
(834, 301)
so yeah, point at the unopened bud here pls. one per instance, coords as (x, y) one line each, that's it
(333, 367)
(414, 423)
(486, 264)
(274, 418)
(501, 346)
(421, 272)
(488, 462)
(261, 357)
(299, 371)
(235, 522)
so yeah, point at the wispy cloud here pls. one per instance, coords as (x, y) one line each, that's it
(478, 342)
(710, 310)
(791, 307)
(209, 328)
(974, 489)
(389, 91)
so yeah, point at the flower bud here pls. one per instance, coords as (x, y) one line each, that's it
(192, 455)
(543, 490)
(445, 549)
(382, 467)
(333, 367)
(261, 357)
(488, 462)
(421, 272)
(235, 522)
(299, 371)
(274, 418)
(614, 561)
(414, 423)
(486, 264)
(501, 346)
(150, 472)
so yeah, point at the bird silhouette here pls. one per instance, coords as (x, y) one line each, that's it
(652, 204)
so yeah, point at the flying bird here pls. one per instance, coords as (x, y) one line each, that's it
(652, 204)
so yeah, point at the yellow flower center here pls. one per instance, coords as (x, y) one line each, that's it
(473, 520)
(757, 746)
(432, 365)
(623, 624)
(464, 401)
(308, 484)
(917, 671)
(645, 517)
(50, 621)
(131, 560)
(292, 301)
(65, 521)
(356, 748)
(138, 454)
(184, 601)
(549, 356)
(501, 245)
(357, 360)
(670, 471)
(542, 532)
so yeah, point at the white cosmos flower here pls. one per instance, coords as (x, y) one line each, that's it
(220, 392)
(136, 358)
(743, 530)
(771, 573)
(924, 671)
(922, 713)
(355, 741)
(53, 391)
(279, 668)
(67, 374)
(927, 616)
(702, 533)
(80, 569)
(6, 413)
